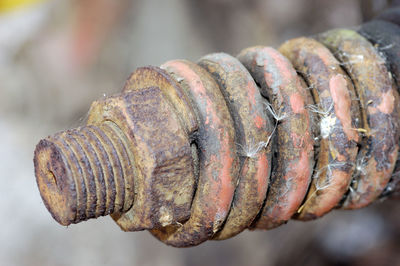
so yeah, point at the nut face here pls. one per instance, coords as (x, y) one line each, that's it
(253, 130)
(334, 96)
(218, 160)
(152, 76)
(163, 170)
(375, 89)
(294, 160)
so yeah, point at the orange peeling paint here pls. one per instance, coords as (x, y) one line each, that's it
(301, 174)
(387, 103)
(259, 121)
(297, 103)
(282, 63)
(342, 103)
(225, 193)
(262, 175)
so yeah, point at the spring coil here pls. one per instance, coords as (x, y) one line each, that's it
(273, 135)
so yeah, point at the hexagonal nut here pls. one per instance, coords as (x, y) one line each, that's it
(152, 76)
(163, 167)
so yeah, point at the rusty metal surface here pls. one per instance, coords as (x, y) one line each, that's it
(115, 193)
(187, 150)
(218, 160)
(163, 176)
(152, 76)
(86, 169)
(91, 153)
(253, 130)
(375, 89)
(335, 102)
(123, 183)
(293, 159)
(385, 37)
(55, 182)
(107, 192)
(80, 187)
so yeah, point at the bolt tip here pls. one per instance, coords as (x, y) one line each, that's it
(55, 181)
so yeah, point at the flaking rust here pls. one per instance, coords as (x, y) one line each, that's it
(385, 36)
(293, 164)
(218, 166)
(253, 135)
(377, 94)
(156, 152)
(336, 105)
(200, 151)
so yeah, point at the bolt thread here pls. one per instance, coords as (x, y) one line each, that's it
(93, 169)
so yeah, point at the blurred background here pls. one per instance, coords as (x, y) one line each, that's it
(57, 56)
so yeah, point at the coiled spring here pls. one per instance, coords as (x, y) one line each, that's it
(203, 151)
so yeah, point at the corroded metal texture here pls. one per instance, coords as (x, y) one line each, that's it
(151, 76)
(126, 156)
(86, 173)
(293, 164)
(375, 89)
(162, 157)
(218, 160)
(338, 110)
(385, 37)
(194, 152)
(253, 134)
(55, 182)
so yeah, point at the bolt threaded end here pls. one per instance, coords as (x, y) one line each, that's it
(85, 173)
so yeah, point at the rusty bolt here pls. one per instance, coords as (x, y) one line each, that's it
(132, 157)
(203, 151)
